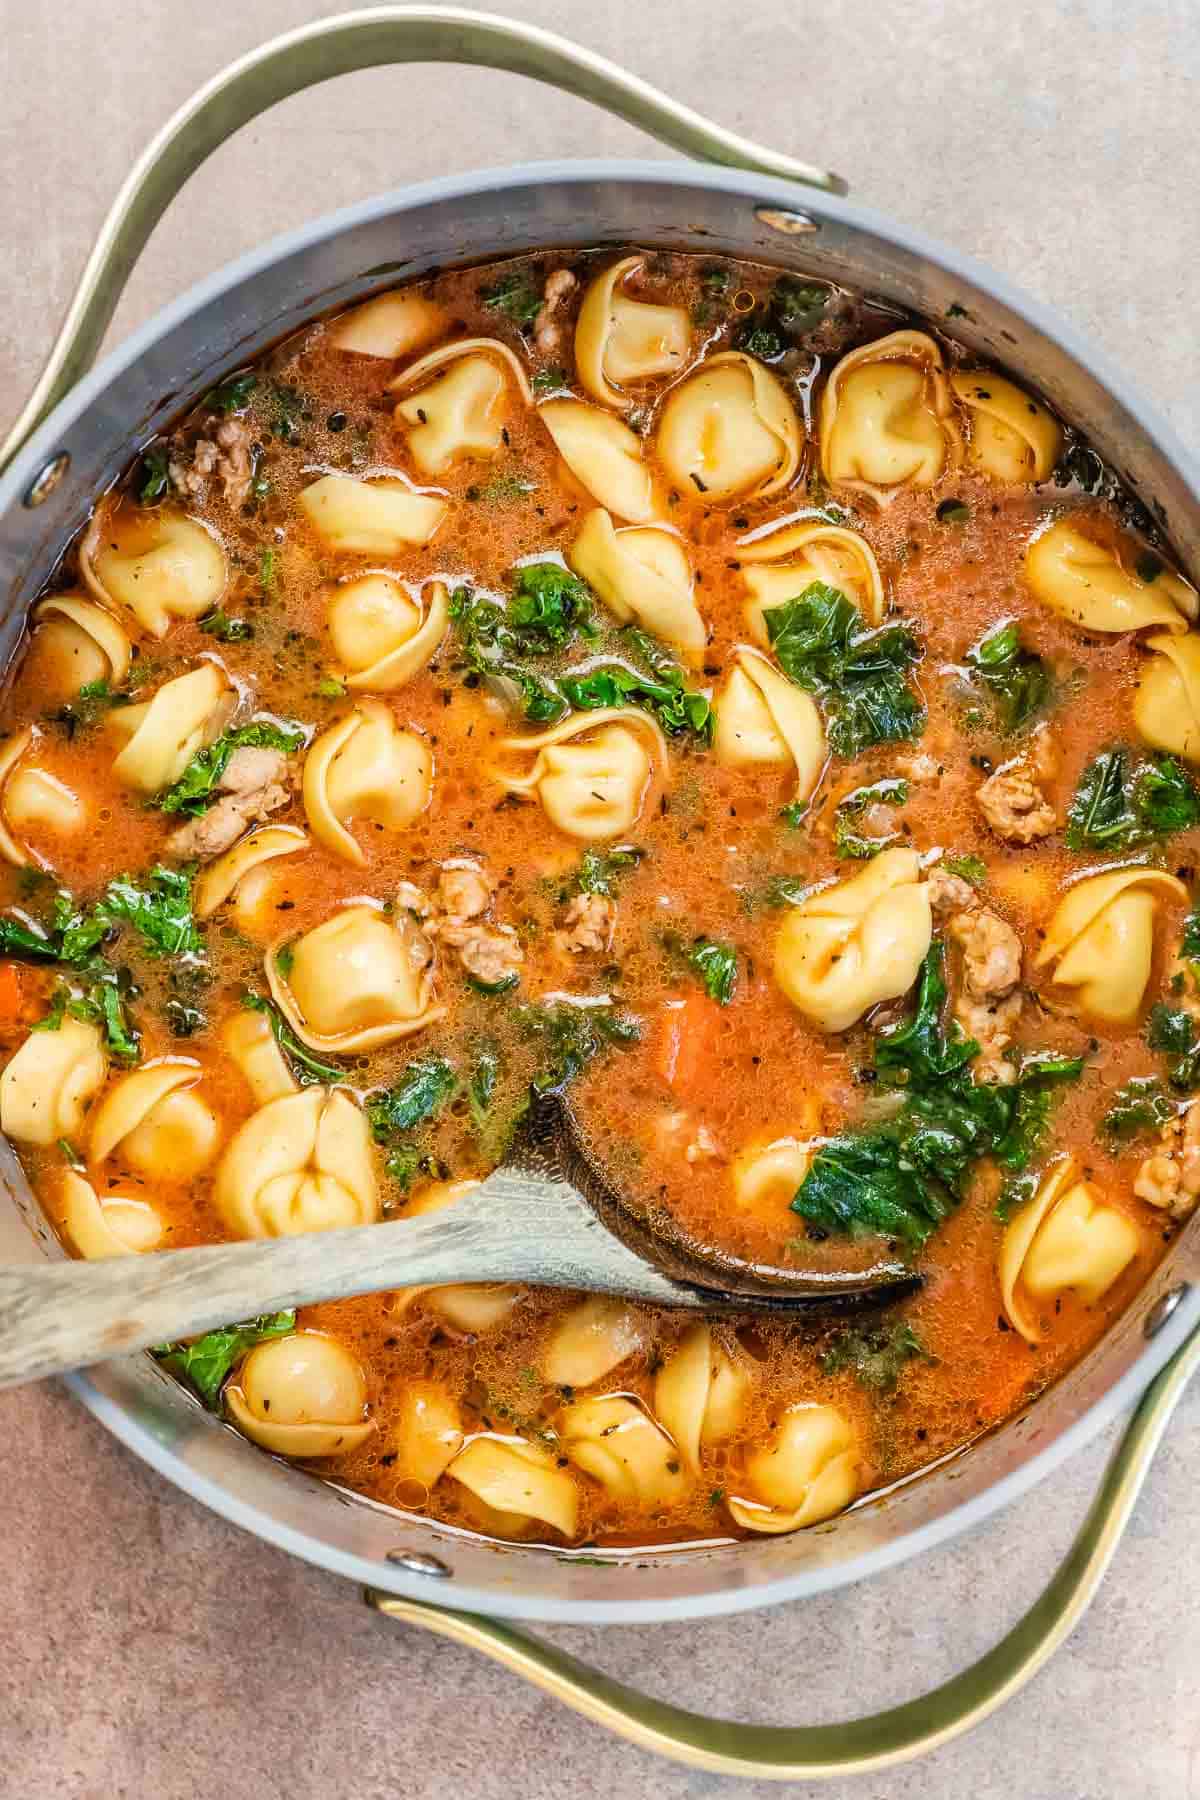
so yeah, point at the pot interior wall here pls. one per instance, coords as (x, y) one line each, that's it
(230, 320)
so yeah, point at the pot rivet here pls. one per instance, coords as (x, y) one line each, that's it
(792, 224)
(1162, 1309)
(47, 479)
(420, 1562)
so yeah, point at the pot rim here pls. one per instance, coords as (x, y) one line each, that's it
(121, 1420)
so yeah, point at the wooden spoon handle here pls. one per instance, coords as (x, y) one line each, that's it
(514, 1227)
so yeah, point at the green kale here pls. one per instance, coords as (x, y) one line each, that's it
(1189, 944)
(777, 324)
(153, 477)
(330, 688)
(1016, 1192)
(848, 841)
(423, 1089)
(268, 573)
(515, 296)
(714, 963)
(207, 1362)
(490, 647)
(1120, 805)
(160, 911)
(198, 786)
(231, 395)
(953, 512)
(98, 999)
(863, 1183)
(219, 625)
(876, 1354)
(920, 1051)
(570, 1037)
(289, 410)
(27, 943)
(600, 871)
(858, 674)
(481, 1088)
(548, 607)
(308, 1069)
(793, 815)
(969, 868)
(94, 699)
(1016, 681)
(1176, 1034)
(1142, 1105)
(550, 380)
(183, 1019)
(658, 688)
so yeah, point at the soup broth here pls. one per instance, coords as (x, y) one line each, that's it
(693, 689)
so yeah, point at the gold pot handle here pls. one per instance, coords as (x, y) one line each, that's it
(807, 1752)
(337, 46)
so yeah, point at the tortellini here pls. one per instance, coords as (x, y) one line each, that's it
(364, 768)
(253, 1048)
(729, 430)
(1166, 706)
(163, 734)
(300, 1163)
(590, 1340)
(46, 1086)
(641, 573)
(592, 771)
(516, 1484)
(1064, 1237)
(303, 1395)
(810, 1471)
(381, 637)
(619, 1445)
(76, 642)
(107, 1225)
(455, 402)
(777, 568)
(766, 720)
(848, 947)
(887, 417)
(765, 1177)
(389, 326)
(155, 562)
(603, 455)
(620, 340)
(1098, 586)
(356, 981)
(1101, 939)
(370, 515)
(428, 1434)
(221, 879)
(32, 799)
(157, 1125)
(1012, 437)
(700, 1393)
(471, 1307)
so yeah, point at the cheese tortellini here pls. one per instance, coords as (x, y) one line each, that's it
(155, 1123)
(370, 515)
(156, 562)
(765, 1177)
(729, 430)
(619, 340)
(428, 1435)
(300, 1163)
(1064, 1237)
(34, 800)
(765, 719)
(1012, 437)
(303, 1395)
(1098, 586)
(356, 981)
(619, 1445)
(76, 642)
(363, 768)
(106, 1225)
(700, 1393)
(810, 1471)
(603, 455)
(516, 1485)
(591, 772)
(456, 402)
(253, 1048)
(47, 1085)
(221, 880)
(164, 733)
(389, 326)
(590, 1340)
(1101, 939)
(1166, 706)
(642, 574)
(887, 417)
(778, 567)
(848, 947)
(381, 636)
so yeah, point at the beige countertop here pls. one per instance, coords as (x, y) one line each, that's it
(154, 1652)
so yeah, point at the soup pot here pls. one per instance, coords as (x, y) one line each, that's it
(76, 435)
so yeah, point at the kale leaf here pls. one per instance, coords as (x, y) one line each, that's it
(423, 1089)
(857, 673)
(920, 1050)
(1176, 1034)
(875, 1353)
(153, 477)
(207, 1361)
(600, 871)
(970, 868)
(714, 963)
(658, 688)
(1017, 682)
(790, 311)
(231, 395)
(197, 787)
(569, 1037)
(1119, 804)
(515, 296)
(848, 841)
(1142, 1105)
(160, 911)
(548, 607)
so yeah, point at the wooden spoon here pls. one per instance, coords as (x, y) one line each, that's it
(547, 1217)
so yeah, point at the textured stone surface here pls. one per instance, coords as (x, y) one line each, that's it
(150, 1649)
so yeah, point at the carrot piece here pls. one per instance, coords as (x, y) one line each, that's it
(685, 1036)
(12, 995)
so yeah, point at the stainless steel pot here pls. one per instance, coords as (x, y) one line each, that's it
(80, 430)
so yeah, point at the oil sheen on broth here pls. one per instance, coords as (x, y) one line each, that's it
(662, 679)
